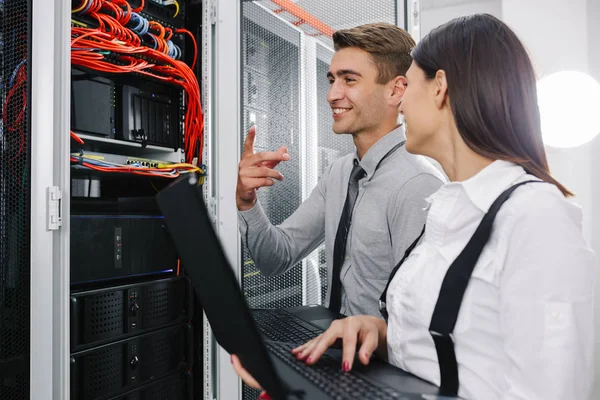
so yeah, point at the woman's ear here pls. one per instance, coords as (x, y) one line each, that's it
(398, 88)
(440, 88)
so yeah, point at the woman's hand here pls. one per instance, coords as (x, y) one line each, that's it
(246, 377)
(370, 332)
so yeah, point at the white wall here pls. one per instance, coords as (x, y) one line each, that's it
(564, 35)
(436, 12)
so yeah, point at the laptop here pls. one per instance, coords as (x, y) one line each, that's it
(270, 362)
(293, 324)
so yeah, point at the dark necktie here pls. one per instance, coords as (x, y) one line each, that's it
(339, 248)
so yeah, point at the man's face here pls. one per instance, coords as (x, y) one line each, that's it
(356, 99)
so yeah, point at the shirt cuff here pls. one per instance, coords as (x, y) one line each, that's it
(253, 219)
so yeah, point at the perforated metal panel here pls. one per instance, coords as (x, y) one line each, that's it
(174, 387)
(156, 301)
(271, 66)
(14, 199)
(15, 386)
(110, 313)
(118, 367)
(105, 313)
(104, 371)
(160, 355)
(331, 15)
(286, 53)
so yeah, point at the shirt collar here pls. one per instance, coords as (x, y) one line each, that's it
(379, 150)
(483, 188)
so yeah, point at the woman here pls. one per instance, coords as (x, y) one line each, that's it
(525, 326)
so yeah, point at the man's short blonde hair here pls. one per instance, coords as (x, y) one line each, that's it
(388, 45)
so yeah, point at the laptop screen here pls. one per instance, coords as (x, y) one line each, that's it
(214, 281)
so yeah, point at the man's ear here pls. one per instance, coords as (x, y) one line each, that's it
(440, 88)
(398, 88)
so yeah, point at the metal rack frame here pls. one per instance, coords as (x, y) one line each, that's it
(50, 122)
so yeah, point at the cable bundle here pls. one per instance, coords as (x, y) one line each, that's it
(116, 47)
(161, 41)
(163, 171)
(169, 3)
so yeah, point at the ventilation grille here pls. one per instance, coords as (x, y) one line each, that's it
(97, 317)
(161, 352)
(250, 393)
(156, 306)
(174, 387)
(15, 386)
(15, 202)
(106, 315)
(104, 370)
(108, 370)
(271, 54)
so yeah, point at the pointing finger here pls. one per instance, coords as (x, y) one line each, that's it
(249, 142)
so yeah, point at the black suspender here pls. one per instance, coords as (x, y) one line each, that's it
(382, 299)
(451, 294)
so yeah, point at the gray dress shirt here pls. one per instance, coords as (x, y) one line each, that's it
(389, 214)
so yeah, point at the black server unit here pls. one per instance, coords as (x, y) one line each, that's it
(15, 145)
(131, 336)
(107, 246)
(174, 386)
(111, 369)
(111, 313)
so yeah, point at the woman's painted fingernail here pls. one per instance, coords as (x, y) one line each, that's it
(346, 366)
(264, 396)
(309, 360)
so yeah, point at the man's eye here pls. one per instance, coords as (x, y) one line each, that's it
(331, 81)
(349, 80)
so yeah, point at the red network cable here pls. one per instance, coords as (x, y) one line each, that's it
(90, 48)
(16, 97)
(169, 171)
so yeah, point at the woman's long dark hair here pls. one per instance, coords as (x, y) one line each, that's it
(492, 90)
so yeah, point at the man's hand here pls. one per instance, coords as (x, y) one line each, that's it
(367, 331)
(256, 171)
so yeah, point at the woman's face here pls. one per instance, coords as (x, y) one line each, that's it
(421, 114)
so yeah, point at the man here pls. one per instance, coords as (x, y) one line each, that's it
(368, 206)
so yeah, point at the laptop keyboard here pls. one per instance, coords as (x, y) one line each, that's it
(281, 326)
(328, 376)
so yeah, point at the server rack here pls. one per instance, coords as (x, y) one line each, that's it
(134, 127)
(219, 30)
(15, 199)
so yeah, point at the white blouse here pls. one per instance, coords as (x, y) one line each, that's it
(525, 327)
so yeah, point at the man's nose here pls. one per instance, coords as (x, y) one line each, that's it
(335, 93)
